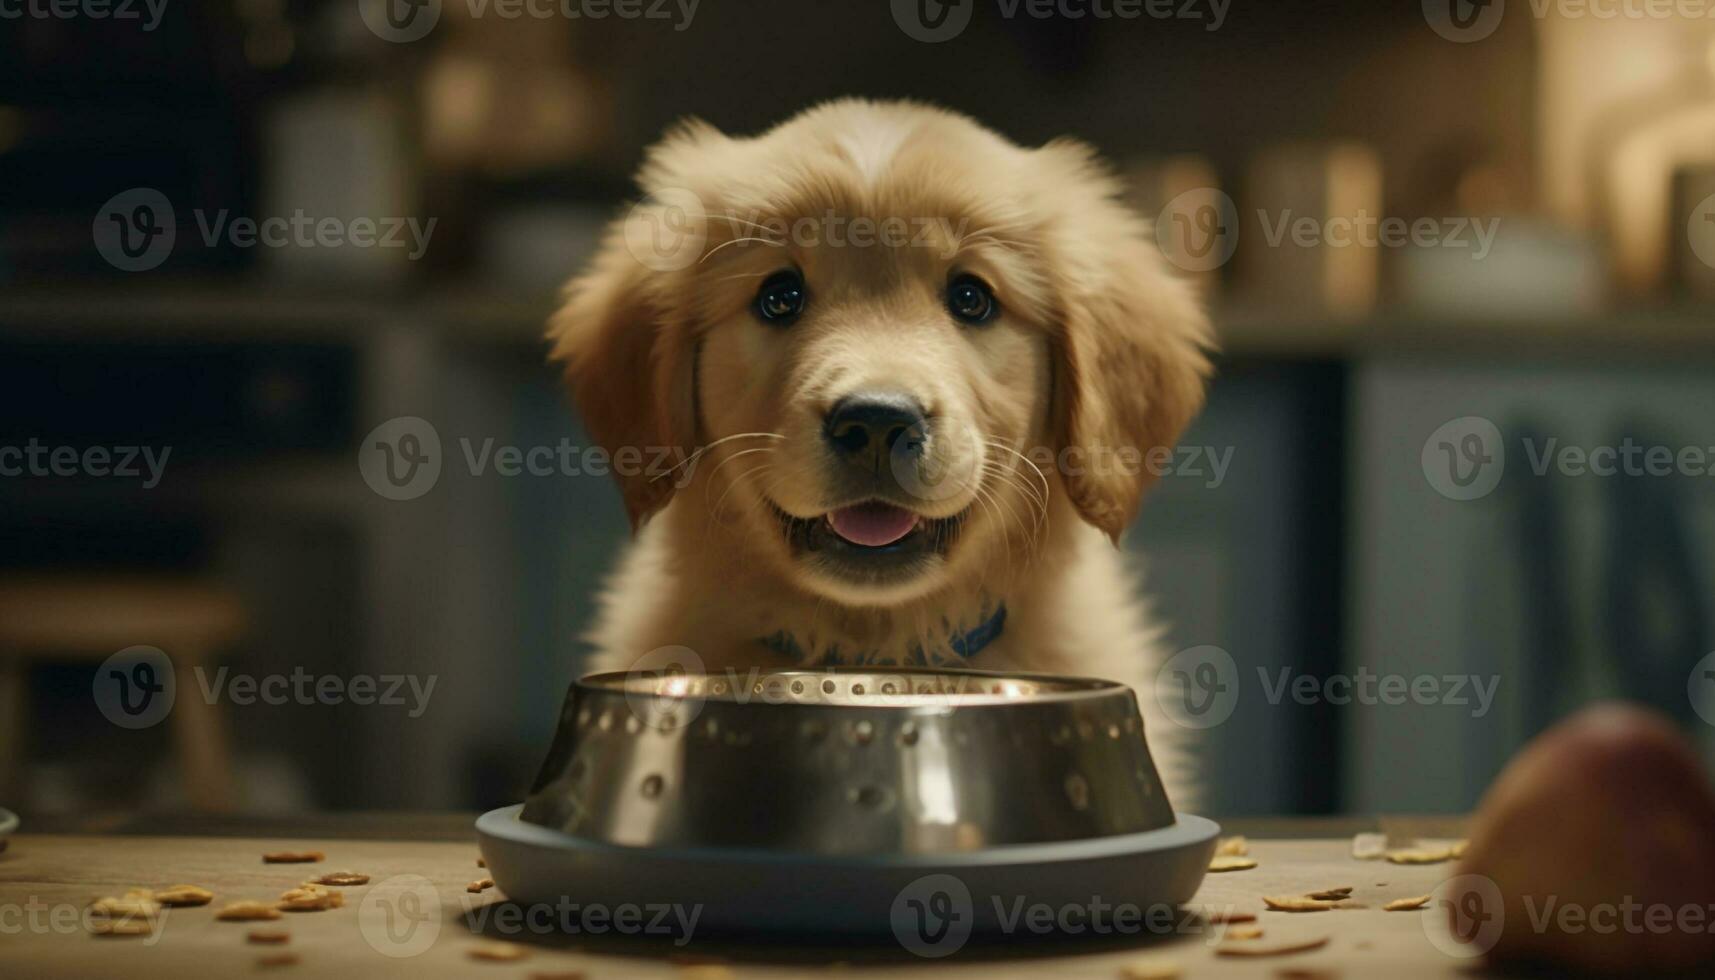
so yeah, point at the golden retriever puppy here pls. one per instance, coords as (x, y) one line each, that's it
(909, 378)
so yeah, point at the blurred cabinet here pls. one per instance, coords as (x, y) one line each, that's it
(1563, 578)
(1247, 560)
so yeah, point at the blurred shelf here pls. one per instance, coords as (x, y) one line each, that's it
(325, 486)
(272, 310)
(1247, 331)
(487, 314)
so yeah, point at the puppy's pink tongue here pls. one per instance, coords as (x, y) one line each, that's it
(872, 525)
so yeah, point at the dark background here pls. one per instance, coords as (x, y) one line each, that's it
(1326, 550)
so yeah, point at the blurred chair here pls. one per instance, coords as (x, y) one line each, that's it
(76, 619)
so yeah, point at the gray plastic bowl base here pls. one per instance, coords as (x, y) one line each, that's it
(784, 893)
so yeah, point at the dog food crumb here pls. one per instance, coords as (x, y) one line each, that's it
(341, 879)
(479, 885)
(1150, 971)
(1243, 932)
(1406, 904)
(130, 926)
(247, 911)
(1332, 894)
(293, 857)
(1294, 903)
(268, 937)
(1306, 974)
(1421, 855)
(482, 862)
(135, 903)
(497, 952)
(1369, 847)
(1232, 847)
(1226, 862)
(310, 897)
(277, 959)
(1283, 948)
(1223, 915)
(184, 896)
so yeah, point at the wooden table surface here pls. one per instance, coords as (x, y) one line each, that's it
(46, 880)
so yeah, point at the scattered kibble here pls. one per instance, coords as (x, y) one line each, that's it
(341, 879)
(498, 952)
(184, 896)
(247, 911)
(293, 857)
(1230, 863)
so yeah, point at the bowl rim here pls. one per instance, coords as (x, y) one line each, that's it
(1070, 688)
(1187, 829)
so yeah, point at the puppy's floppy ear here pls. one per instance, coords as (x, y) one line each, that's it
(629, 363)
(1131, 362)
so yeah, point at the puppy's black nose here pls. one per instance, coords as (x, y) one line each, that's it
(866, 427)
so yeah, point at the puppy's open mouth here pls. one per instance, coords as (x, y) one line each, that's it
(871, 541)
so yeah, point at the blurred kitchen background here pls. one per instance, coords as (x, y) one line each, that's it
(1330, 546)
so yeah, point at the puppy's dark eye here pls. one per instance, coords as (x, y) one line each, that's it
(970, 300)
(781, 298)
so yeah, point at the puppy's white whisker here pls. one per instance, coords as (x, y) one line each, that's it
(735, 221)
(715, 511)
(997, 444)
(746, 275)
(1038, 505)
(1014, 479)
(739, 241)
(973, 240)
(1029, 533)
(740, 455)
(994, 512)
(688, 460)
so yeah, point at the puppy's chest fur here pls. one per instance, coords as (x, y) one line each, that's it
(950, 633)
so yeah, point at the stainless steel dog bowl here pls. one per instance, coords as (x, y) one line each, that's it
(762, 793)
(848, 762)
